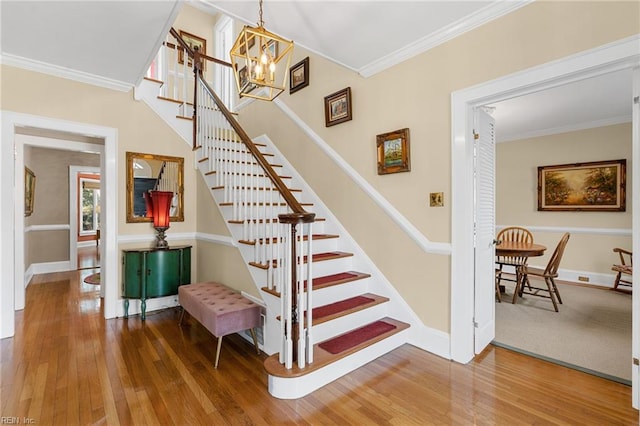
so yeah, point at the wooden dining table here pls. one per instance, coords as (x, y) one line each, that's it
(513, 248)
(518, 249)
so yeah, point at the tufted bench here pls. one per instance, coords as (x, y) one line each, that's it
(220, 310)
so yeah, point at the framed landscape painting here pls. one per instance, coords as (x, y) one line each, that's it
(393, 152)
(595, 186)
(29, 191)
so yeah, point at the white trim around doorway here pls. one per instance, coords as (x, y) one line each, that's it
(618, 55)
(12, 290)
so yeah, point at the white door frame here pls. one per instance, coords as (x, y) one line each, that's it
(12, 288)
(608, 58)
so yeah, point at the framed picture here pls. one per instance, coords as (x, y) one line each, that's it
(271, 49)
(192, 41)
(337, 107)
(245, 85)
(595, 186)
(29, 191)
(393, 152)
(299, 75)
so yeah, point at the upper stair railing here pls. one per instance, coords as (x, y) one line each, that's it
(273, 220)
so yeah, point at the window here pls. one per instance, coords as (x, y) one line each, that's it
(89, 210)
(223, 78)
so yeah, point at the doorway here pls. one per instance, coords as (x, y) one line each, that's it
(12, 291)
(620, 55)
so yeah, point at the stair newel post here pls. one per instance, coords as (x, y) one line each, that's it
(287, 298)
(294, 282)
(295, 293)
(309, 293)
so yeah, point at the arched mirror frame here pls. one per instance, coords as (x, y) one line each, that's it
(131, 157)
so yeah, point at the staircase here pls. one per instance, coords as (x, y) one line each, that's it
(356, 315)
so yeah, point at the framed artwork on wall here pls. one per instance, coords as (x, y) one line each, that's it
(192, 41)
(299, 75)
(393, 152)
(337, 107)
(594, 186)
(29, 191)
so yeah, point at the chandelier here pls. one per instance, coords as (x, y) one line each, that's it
(260, 61)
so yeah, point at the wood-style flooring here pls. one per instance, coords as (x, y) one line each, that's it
(66, 365)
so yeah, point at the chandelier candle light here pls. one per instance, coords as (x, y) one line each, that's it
(260, 61)
(161, 203)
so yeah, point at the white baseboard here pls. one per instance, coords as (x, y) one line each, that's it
(48, 267)
(431, 340)
(580, 277)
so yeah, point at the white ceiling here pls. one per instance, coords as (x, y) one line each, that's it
(116, 40)
(594, 102)
(111, 40)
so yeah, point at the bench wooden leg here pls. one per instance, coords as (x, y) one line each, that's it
(255, 339)
(218, 351)
(181, 316)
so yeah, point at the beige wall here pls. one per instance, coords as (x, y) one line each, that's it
(516, 193)
(416, 94)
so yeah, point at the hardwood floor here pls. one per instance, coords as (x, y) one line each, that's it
(66, 365)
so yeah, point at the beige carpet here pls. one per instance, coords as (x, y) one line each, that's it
(592, 331)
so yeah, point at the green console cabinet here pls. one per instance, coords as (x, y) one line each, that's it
(149, 273)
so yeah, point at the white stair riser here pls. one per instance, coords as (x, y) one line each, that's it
(333, 328)
(297, 387)
(257, 195)
(334, 293)
(319, 246)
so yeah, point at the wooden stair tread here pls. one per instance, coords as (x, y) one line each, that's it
(328, 281)
(341, 308)
(175, 101)
(318, 257)
(254, 188)
(262, 204)
(241, 222)
(323, 358)
(154, 80)
(322, 314)
(304, 238)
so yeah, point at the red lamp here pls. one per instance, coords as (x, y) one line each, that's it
(161, 203)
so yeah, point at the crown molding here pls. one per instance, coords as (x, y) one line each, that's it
(487, 14)
(610, 121)
(56, 71)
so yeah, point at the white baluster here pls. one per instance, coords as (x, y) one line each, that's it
(301, 299)
(309, 294)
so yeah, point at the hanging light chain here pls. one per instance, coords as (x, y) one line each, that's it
(260, 22)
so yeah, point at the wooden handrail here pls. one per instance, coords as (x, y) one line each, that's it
(299, 214)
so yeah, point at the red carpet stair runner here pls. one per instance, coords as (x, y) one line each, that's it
(356, 337)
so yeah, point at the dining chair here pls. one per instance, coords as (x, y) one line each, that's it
(548, 274)
(624, 268)
(513, 234)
